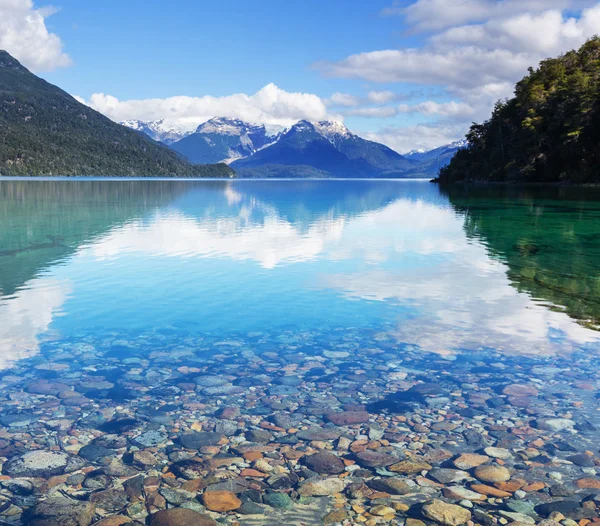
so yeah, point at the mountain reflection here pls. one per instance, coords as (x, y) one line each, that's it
(427, 268)
(548, 238)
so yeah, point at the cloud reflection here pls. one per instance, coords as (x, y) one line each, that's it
(27, 315)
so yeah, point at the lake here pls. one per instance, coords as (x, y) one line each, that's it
(221, 333)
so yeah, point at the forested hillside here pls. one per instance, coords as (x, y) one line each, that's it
(45, 131)
(548, 132)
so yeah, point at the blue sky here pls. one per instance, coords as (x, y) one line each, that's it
(410, 73)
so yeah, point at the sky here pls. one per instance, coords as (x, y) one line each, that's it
(412, 74)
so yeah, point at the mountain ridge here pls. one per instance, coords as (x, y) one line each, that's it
(46, 131)
(247, 146)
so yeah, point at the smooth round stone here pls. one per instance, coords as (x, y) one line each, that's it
(150, 439)
(318, 434)
(498, 452)
(278, 500)
(37, 464)
(199, 439)
(391, 485)
(325, 463)
(372, 459)
(180, 517)
(520, 390)
(321, 487)
(220, 501)
(211, 381)
(470, 461)
(346, 418)
(336, 354)
(492, 474)
(61, 511)
(446, 514)
(555, 424)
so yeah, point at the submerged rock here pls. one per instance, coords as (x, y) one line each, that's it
(446, 514)
(37, 464)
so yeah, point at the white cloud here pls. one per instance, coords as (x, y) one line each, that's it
(270, 105)
(543, 34)
(374, 112)
(476, 51)
(432, 15)
(444, 109)
(420, 136)
(27, 315)
(23, 33)
(381, 97)
(343, 99)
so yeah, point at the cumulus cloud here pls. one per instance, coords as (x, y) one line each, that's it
(418, 137)
(476, 58)
(431, 15)
(23, 33)
(475, 52)
(343, 99)
(374, 112)
(270, 105)
(382, 97)
(445, 109)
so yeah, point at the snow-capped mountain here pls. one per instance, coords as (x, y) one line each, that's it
(160, 130)
(222, 139)
(423, 155)
(429, 162)
(325, 148)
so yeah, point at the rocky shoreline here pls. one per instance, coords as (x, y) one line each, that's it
(338, 426)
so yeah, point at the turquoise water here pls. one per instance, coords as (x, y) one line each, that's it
(186, 328)
(224, 258)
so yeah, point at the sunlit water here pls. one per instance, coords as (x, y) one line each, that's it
(89, 258)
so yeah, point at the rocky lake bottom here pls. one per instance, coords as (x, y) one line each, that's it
(298, 353)
(341, 426)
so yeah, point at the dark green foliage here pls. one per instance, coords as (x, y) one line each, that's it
(549, 131)
(296, 171)
(45, 131)
(548, 236)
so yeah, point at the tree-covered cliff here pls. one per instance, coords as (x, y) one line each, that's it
(548, 132)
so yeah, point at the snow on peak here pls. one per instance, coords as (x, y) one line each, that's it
(331, 129)
(462, 143)
(160, 130)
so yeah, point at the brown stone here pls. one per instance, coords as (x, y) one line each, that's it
(220, 501)
(346, 418)
(588, 483)
(410, 466)
(180, 517)
(446, 514)
(490, 491)
(335, 516)
(534, 486)
(492, 474)
(520, 390)
(116, 520)
(470, 460)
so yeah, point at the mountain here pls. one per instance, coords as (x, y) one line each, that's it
(548, 132)
(429, 162)
(323, 149)
(425, 156)
(160, 130)
(45, 131)
(224, 140)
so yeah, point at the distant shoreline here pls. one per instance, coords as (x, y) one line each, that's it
(483, 184)
(193, 178)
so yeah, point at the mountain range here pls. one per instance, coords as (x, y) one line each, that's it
(45, 131)
(306, 149)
